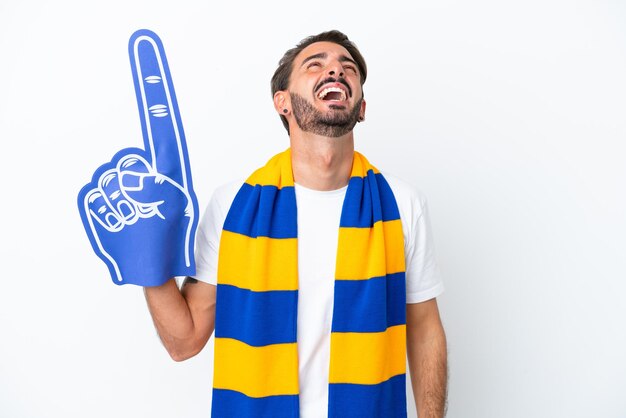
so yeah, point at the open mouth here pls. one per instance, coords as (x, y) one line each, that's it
(332, 94)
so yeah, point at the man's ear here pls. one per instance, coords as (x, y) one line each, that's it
(362, 111)
(282, 102)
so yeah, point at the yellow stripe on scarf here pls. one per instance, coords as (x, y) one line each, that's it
(253, 371)
(262, 270)
(358, 250)
(353, 353)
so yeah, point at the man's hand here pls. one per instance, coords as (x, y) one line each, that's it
(427, 353)
(140, 211)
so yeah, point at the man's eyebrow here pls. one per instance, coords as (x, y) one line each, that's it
(312, 57)
(343, 58)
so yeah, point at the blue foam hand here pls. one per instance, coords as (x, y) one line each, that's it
(140, 210)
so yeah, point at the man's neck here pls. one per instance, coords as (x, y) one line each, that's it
(319, 162)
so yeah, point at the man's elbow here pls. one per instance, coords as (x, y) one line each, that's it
(179, 354)
(178, 357)
(181, 350)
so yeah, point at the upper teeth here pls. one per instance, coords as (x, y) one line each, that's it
(327, 90)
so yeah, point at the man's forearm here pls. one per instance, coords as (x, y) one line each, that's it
(172, 318)
(427, 354)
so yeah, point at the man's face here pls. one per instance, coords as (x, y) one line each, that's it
(325, 90)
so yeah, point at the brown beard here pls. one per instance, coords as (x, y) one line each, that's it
(332, 124)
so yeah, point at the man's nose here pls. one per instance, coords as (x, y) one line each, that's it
(335, 69)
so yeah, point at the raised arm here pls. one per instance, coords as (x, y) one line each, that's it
(184, 319)
(427, 353)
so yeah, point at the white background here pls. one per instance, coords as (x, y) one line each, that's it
(510, 116)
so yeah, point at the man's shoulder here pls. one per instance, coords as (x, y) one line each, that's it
(224, 194)
(221, 199)
(406, 193)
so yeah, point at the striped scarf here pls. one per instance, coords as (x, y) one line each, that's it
(256, 355)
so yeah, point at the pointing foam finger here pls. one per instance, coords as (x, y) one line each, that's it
(162, 129)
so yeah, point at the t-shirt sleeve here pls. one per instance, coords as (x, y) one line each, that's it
(210, 230)
(423, 278)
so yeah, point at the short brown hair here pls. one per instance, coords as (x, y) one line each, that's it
(280, 79)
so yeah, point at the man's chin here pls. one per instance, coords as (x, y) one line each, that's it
(331, 119)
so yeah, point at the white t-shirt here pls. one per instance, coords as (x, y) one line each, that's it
(318, 226)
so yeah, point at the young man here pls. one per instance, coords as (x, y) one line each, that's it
(318, 273)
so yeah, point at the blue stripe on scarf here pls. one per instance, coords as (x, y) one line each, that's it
(356, 308)
(263, 211)
(357, 209)
(386, 399)
(232, 404)
(269, 315)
